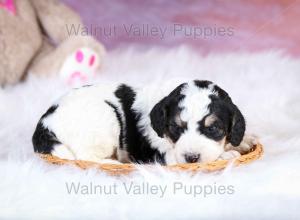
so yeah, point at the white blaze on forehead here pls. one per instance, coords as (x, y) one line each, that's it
(194, 108)
(195, 104)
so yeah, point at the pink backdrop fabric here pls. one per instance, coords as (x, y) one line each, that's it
(249, 25)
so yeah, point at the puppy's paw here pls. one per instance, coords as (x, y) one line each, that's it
(228, 155)
(245, 146)
(250, 139)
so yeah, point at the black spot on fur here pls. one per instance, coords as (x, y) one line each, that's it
(137, 145)
(43, 139)
(203, 84)
(118, 115)
(50, 111)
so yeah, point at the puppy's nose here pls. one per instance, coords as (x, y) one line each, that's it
(192, 158)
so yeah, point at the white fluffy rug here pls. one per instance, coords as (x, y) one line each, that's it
(266, 88)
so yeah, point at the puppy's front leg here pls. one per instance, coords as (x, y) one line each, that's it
(245, 146)
(233, 152)
(228, 155)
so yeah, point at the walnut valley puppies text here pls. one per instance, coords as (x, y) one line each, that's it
(151, 31)
(147, 189)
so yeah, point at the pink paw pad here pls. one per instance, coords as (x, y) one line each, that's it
(92, 60)
(79, 56)
(76, 76)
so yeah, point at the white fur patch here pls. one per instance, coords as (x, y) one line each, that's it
(195, 104)
(85, 123)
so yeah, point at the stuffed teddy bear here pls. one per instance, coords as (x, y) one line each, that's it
(34, 38)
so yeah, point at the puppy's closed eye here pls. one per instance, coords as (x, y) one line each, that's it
(174, 127)
(214, 131)
(175, 130)
(212, 127)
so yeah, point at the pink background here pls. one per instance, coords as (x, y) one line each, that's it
(257, 25)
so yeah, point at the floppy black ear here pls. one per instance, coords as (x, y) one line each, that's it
(238, 126)
(158, 117)
(159, 113)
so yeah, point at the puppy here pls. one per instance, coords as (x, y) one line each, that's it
(195, 122)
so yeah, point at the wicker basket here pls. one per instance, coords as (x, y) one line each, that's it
(117, 169)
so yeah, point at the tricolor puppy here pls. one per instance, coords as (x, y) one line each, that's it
(195, 122)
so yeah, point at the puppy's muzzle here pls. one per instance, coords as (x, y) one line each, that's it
(192, 158)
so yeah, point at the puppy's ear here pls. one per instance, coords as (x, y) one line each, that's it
(158, 117)
(238, 126)
(159, 113)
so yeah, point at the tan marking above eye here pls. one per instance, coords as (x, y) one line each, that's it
(209, 120)
(179, 122)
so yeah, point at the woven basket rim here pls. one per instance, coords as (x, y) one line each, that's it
(116, 169)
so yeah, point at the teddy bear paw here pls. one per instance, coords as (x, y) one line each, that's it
(80, 66)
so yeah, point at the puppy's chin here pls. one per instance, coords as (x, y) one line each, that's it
(207, 149)
(207, 158)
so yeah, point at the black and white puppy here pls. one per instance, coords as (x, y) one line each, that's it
(196, 122)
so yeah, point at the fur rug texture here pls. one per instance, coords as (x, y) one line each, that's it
(266, 88)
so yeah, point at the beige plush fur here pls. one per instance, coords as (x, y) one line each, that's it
(36, 39)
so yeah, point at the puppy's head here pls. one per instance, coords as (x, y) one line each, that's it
(198, 118)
